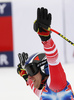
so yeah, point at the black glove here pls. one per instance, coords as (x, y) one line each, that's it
(22, 72)
(42, 24)
(22, 58)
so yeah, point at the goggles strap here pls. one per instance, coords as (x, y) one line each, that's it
(42, 63)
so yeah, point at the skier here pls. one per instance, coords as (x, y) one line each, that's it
(43, 71)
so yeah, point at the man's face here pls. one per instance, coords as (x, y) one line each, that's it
(36, 79)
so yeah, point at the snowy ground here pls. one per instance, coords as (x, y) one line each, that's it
(13, 87)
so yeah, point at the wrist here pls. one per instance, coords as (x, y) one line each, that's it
(25, 77)
(44, 35)
(43, 32)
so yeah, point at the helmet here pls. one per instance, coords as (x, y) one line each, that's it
(36, 62)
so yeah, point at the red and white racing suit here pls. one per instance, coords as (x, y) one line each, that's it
(57, 87)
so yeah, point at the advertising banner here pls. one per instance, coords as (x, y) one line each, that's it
(6, 36)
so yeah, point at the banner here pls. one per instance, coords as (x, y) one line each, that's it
(6, 36)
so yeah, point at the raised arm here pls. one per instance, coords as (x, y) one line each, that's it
(57, 74)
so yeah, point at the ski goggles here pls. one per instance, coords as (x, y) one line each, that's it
(33, 68)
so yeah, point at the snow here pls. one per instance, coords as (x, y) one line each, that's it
(13, 87)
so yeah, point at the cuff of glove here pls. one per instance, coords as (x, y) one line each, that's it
(44, 35)
(25, 77)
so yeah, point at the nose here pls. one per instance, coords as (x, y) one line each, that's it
(29, 77)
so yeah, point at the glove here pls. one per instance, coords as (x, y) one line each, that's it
(22, 72)
(42, 24)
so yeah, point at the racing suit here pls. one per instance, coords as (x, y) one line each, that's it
(57, 87)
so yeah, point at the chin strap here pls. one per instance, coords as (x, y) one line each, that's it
(43, 81)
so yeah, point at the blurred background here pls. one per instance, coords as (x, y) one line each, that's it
(17, 36)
